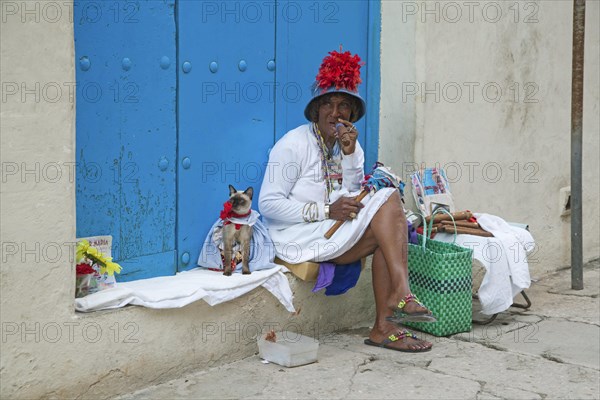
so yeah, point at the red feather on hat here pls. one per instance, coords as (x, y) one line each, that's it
(341, 70)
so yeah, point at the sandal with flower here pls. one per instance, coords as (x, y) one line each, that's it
(399, 336)
(401, 316)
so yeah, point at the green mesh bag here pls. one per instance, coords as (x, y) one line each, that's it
(440, 276)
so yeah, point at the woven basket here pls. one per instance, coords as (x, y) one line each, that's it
(440, 276)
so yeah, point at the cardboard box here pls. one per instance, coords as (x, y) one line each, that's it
(307, 271)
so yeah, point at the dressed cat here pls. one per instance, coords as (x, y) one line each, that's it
(233, 232)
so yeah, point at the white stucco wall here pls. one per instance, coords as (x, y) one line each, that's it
(397, 115)
(49, 351)
(507, 154)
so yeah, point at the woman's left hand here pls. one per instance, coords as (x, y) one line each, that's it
(347, 136)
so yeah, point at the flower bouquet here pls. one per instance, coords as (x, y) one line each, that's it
(94, 270)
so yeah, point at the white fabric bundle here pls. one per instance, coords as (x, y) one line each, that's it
(189, 286)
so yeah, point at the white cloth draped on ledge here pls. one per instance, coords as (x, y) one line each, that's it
(187, 287)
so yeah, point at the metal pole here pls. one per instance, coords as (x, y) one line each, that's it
(576, 144)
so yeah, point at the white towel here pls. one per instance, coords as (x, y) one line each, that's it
(516, 242)
(189, 286)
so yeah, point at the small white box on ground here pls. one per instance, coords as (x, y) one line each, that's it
(290, 349)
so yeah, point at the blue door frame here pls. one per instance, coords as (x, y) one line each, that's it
(194, 94)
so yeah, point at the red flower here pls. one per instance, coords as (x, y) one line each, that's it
(341, 70)
(84, 269)
(226, 212)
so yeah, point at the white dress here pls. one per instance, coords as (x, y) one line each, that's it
(293, 178)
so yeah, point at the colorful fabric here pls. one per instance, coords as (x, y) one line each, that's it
(325, 277)
(337, 279)
(345, 278)
(382, 177)
(412, 233)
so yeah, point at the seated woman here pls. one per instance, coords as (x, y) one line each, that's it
(313, 176)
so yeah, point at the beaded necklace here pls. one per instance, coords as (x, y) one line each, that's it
(329, 166)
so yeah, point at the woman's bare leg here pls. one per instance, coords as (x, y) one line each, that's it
(390, 279)
(382, 288)
(388, 232)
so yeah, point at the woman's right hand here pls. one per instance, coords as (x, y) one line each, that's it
(345, 209)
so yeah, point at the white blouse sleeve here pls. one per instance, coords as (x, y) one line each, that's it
(353, 170)
(282, 173)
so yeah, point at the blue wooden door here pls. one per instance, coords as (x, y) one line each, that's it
(226, 111)
(176, 99)
(126, 131)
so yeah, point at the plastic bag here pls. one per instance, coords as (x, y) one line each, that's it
(431, 191)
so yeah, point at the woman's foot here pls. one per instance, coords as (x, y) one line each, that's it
(389, 336)
(409, 308)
